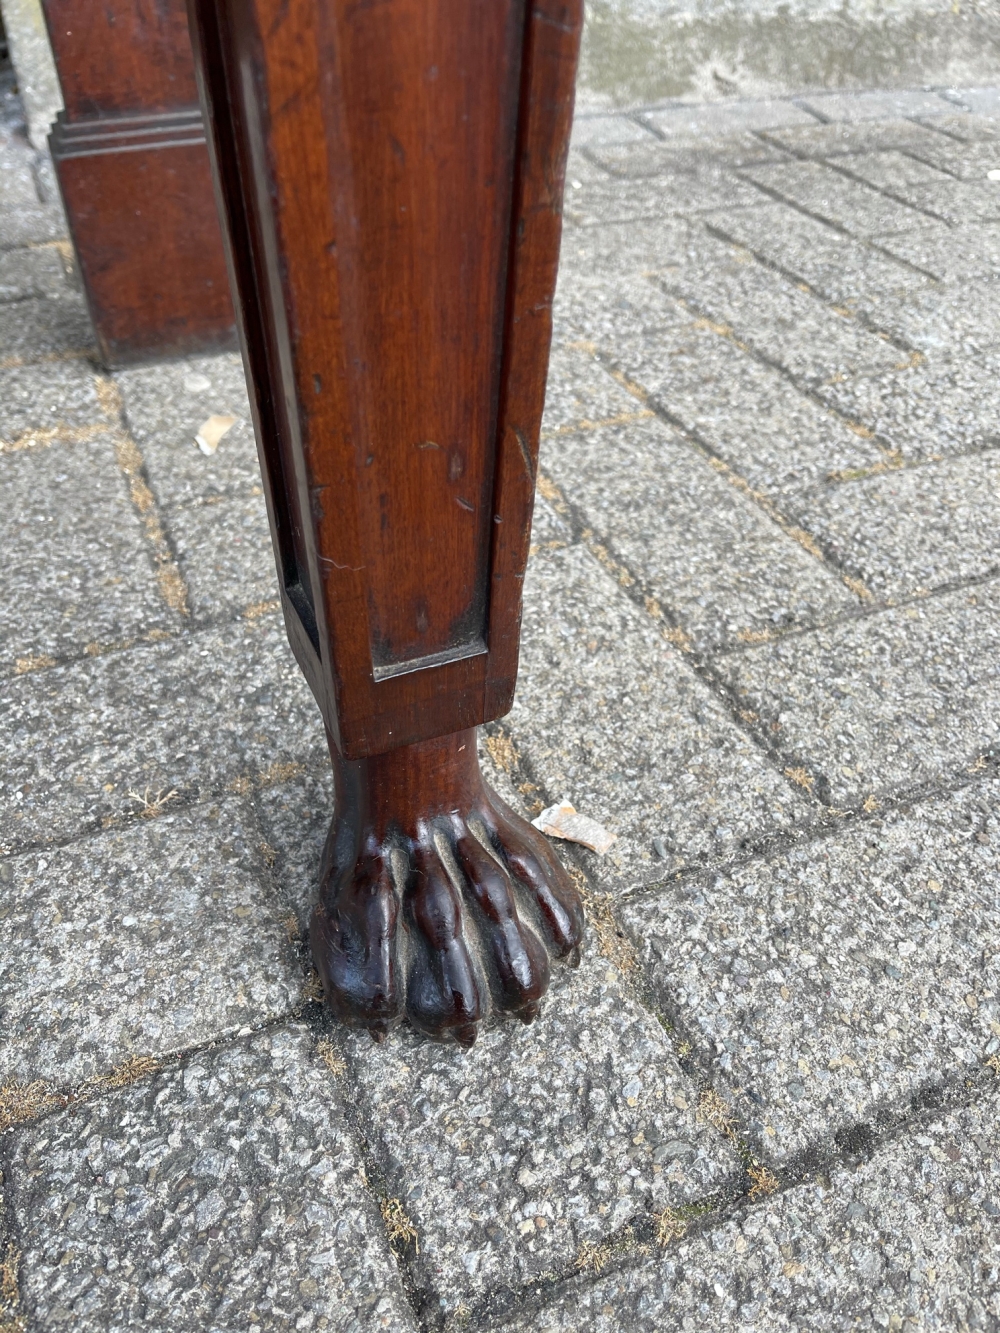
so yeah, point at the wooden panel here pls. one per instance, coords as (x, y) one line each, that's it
(119, 56)
(392, 180)
(138, 195)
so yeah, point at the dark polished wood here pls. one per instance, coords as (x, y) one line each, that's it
(391, 181)
(132, 164)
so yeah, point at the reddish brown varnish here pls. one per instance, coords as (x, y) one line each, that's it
(391, 178)
(132, 165)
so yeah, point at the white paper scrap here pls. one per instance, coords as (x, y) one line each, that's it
(562, 821)
(211, 432)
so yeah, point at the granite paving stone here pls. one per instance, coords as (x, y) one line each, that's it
(511, 1157)
(700, 188)
(225, 1193)
(898, 699)
(141, 942)
(609, 715)
(906, 532)
(974, 127)
(964, 161)
(712, 119)
(702, 380)
(614, 313)
(592, 130)
(725, 570)
(951, 254)
(614, 252)
(847, 137)
(45, 329)
(932, 406)
(190, 714)
(957, 321)
(874, 104)
(654, 158)
(31, 224)
(48, 399)
(581, 394)
(224, 549)
(831, 984)
(907, 1240)
(850, 205)
(166, 404)
(75, 565)
(775, 318)
(982, 101)
(38, 271)
(840, 268)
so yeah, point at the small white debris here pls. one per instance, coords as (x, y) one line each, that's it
(197, 383)
(577, 185)
(211, 432)
(993, 175)
(562, 821)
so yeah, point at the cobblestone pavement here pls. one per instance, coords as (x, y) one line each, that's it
(761, 644)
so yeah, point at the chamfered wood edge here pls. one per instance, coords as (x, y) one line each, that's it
(416, 704)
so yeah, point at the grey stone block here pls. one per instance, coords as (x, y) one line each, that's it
(875, 104)
(774, 317)
(951, 254)
(76, 569)
(614, 313)
(974, 127)
(933, 192)
(166, 404)
(589, 130)
(716, 118)
(680, 194)
(829, 985)
(610, 716)
(910, 531)
(966, 161)
(896, 700)
(581, 394)
(934, 406)
(46, 398)
(617, 251)
(512, 1157)
(39, 271)
(846, 272)
(40, 329)
(848, 204)
(226, 1193)
(843, 137)
(225, 554)
(655, 158)
(908, 1239)
(709, 386)
(982, 101)
(141, 942)
(709, 555)
(193, 714)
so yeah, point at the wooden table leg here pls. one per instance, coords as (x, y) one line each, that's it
(129, 153)
(391, 179)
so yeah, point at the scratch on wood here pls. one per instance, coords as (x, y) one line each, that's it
(529, 465)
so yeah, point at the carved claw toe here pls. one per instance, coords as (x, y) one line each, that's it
(443, 917)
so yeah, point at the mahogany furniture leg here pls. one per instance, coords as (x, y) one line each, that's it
(130, 156)
(390, 176)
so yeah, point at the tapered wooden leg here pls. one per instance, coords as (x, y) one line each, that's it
(390, 178)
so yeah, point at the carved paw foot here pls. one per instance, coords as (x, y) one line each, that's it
(437, 902)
